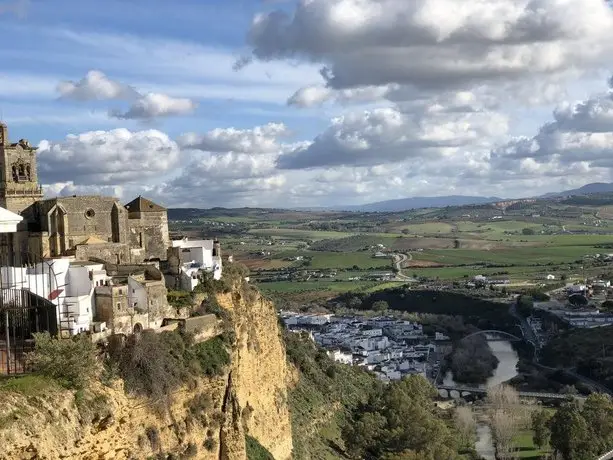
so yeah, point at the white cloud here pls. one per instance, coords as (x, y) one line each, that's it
(96, 86)
(388, 135)
(578, 141)
(111, 157)
(436, 43)
(154, 105)
(261, 139)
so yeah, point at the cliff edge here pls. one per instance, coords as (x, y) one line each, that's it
(208, 416)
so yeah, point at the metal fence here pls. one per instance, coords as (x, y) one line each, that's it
(25, 281)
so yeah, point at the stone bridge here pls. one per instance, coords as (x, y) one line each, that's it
(467, 391)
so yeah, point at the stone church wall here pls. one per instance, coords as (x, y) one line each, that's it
(150, 231)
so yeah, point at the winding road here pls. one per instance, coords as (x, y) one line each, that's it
(399, 259)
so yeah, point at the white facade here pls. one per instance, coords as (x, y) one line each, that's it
(67, 284)
(9, 221)
(196, 256)
(341, 357)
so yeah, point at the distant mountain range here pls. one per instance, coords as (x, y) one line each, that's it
(595, 187)
(416, 202)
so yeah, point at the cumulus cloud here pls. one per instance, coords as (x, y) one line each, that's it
(578, 140)
(225, 179)
(97, 86)
(435, 43)
(154, 105)
(388, 135)
(111, 157)
(261, 139)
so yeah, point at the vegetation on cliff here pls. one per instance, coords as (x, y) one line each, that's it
(477, 312)
(322, 399)
(340, 411)
(589, 350)
(472, 360)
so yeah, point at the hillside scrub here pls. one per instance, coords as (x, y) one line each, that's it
(70, 362)
(322, 398)
(255, 450)
(589, 350)
(480, 313)
(155, 365)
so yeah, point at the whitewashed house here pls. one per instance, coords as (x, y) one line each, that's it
(341, 357)
(188, 258)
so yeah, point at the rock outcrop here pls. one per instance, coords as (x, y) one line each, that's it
(207, 419)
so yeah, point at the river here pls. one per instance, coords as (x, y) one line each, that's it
(506, 370)
(507, 365)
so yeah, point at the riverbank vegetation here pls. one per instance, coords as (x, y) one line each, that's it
(472, 360)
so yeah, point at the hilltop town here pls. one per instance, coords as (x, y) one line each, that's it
(87, 264)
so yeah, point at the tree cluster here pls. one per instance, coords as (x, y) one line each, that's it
(472, 360)
(400, 422)
(577, 432)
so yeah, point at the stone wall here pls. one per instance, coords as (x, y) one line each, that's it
(149, 230)
(108, 252)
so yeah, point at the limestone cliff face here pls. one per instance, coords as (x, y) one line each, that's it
(207, 419)
(260, 372)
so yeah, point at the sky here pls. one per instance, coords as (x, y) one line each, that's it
(196, 103)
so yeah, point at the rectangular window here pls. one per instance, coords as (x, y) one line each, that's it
(118, 305)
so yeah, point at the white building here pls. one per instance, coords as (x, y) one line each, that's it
(194, 257)
(67, 283)
(341, 357)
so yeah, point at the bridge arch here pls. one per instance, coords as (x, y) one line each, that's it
(492, 331)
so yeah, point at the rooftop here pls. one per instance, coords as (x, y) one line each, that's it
(140, 204)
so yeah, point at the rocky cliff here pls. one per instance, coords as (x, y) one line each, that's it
(208, 418)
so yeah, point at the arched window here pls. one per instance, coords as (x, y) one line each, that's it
(28, 173)
(15, 176)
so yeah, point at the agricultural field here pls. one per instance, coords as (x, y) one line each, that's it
(326, 253)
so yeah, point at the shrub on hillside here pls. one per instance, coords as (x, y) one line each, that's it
(155, 365)
(255, 450)
(212, 356)
(71, 362)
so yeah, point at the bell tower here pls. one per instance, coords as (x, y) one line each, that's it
(19, 186)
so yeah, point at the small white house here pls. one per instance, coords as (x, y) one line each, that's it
(550, 277)
(341, 357)
(196, 256)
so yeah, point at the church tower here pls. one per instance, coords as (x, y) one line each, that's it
(19, 186)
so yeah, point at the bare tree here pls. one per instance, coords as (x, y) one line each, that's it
(466, 425)
(507, 416)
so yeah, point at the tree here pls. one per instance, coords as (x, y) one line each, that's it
(466, 425)
(540, 428)
(528, 231)
(506, 416)
(380, 306)
(598, 413)
(569, 433)
(525, 305)
(380, 428)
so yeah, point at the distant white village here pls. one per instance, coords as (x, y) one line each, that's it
(389, 347)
